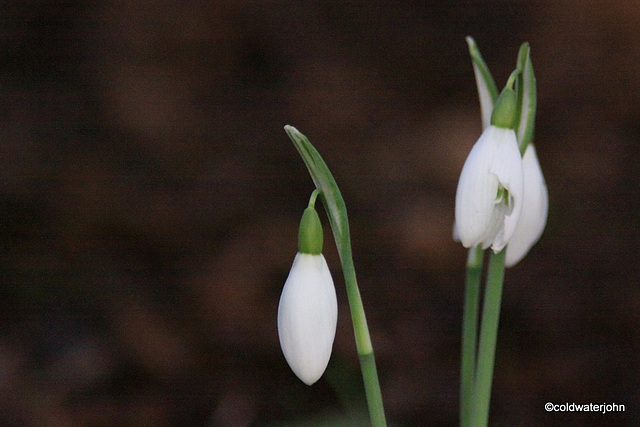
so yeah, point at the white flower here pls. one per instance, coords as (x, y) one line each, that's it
(307, 317)
(489, 195)
(535, 204)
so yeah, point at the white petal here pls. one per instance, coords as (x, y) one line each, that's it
(455, 235)
(494, 162)
(507, 167)
(307, 317)
(477, 190)
(535, 205)
(494, 234)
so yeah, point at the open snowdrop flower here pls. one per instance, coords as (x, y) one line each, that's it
(535, 205)
(490, 189)
(308, 309)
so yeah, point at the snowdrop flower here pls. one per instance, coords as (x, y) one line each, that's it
(308, 309)
(490, 189)
(535, 205)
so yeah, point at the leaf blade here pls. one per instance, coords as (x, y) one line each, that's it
(487, 89)
(526, 125)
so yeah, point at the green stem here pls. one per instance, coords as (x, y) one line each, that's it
(372, 389)
(512, 78)
(488, 338)
(314, 196)
(470, 331)
(361, 330)
(337, 213)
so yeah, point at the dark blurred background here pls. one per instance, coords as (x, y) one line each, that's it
(150, 201)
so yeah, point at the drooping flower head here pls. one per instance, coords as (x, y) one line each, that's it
(490, 189)
(308, 309)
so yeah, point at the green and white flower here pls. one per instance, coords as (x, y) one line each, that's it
(308, 309)
(489, 194)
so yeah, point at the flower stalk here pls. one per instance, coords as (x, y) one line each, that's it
(487, 342)
(470, 331)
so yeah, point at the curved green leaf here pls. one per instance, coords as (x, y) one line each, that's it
(487, 89)
(527, 98)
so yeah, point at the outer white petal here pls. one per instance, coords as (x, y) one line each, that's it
(477, 190)
(493, 161)
(507, 167)
(535, 205)
(307, 317)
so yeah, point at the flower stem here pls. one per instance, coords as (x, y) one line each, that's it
(488, 337)
(512, 78)
(363, 342)
(470, 331)
(360, 327)
(314, 196)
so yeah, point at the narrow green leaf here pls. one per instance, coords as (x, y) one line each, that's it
(487, 89)
(528, 102)
(521, 62)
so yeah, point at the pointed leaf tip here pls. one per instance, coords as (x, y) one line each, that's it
(487, 89)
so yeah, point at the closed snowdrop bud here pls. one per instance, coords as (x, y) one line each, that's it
(489, 194)
(308, 309)
(535, 205)
(307, 317)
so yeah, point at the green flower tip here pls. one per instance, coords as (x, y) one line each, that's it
(505, 110)
(310, 234)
